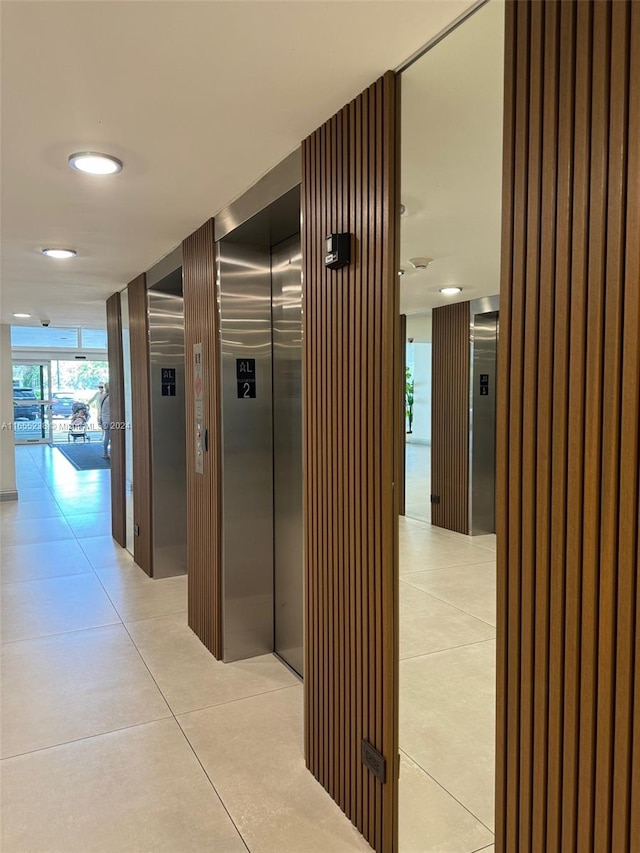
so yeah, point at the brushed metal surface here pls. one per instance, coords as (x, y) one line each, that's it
(272, 186)
(482, 439)
(165, 267)
(286, 284)
(168, 457)
(244, 293)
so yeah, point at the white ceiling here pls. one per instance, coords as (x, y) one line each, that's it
(198, 99)
(451, 181)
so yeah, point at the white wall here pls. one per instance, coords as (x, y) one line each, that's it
(7, 444)
(421, 394)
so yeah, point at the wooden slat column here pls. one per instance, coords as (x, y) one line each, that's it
(450, 417)
(141, 427)
(116, 395)
(204, 521)
(568, 501)
(353, 418)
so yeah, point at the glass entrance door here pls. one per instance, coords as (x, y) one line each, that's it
(32, 402)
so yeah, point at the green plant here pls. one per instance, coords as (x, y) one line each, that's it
(408, 398)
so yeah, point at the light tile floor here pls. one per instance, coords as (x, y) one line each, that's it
(447, 689)
(120, 733)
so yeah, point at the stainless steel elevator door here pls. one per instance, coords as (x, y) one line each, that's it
(286, 284)
(483, 437)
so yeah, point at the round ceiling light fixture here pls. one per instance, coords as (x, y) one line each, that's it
(21, 315)
(420, 263)
(61, 254)
(93, 163)
(450, 291)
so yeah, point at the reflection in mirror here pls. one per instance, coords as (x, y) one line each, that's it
(451, 181)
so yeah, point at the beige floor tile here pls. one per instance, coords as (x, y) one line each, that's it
(71, 686)
(471, 588)
(188, 674)
(28, 530)
(34, 493)
(447, 722)
(84, 505)
(140, 789)
(12, 511)
(137, 596)
(42, 560)
(102, 551)
(90, 525)
(54, 605)
(428, 625)
(438, 553)
(487, 541)
(430, 820)
(260, 774)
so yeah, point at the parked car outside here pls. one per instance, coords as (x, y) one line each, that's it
(25, 410)
(62, 404)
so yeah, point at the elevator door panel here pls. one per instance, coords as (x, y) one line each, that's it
(483, 437)
(287, 450)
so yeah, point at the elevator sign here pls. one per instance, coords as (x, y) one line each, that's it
(168, 381)
(246, 378)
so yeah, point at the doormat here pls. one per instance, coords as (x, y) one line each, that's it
(85, 456)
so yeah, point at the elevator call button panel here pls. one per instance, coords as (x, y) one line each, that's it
(246, 378)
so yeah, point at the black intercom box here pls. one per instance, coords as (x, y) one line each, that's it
(338, 251)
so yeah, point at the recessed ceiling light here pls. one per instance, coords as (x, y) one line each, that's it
(450, 291)
(59, 253)
(93, 163)
(18, 314)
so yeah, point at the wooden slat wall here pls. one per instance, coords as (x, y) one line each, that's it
(204, 521)
(568, 729)
(141, 427)
(353, 418)
(116, 395)
(450, 417)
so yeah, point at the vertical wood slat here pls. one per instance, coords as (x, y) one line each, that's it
(450, 417)
(568, 492)
(626, 755)
(204, 521)
(141, 427)
(116, 395)
(352, 420)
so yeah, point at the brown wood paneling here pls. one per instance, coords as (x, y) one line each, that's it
(141, 426)
(116, 394)
(568, 493)
(450, 417)
(353, 424)
(204, 522)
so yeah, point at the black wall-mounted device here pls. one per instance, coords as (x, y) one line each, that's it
(338, 251)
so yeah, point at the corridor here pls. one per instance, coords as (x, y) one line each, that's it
(120, 732)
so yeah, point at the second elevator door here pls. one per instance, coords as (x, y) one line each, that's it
(286, 284)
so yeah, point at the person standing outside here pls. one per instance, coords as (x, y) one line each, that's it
(104, 419)
(97, 399)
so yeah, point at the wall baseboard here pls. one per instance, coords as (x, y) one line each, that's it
(9, 495)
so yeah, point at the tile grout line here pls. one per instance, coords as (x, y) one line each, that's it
(449, 649)
(453, 797)
(455, 606)
(171, 714)
(85, 737)
(175, 718)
